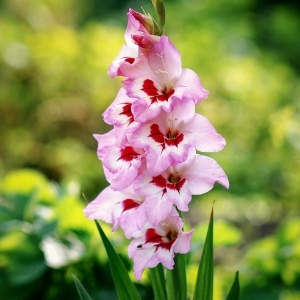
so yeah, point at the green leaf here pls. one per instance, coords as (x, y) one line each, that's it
(177, 289)
(158, 282)
(24, 270)
(204, 282)
(234, 293)
(170, 285)
(126, 290)
(83, 294)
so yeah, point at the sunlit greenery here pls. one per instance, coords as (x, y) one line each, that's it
(54, 86)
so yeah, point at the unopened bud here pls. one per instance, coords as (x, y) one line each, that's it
(160, 10)
(147, 21)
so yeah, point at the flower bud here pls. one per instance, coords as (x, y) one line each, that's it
(146, 21)
(160, 10)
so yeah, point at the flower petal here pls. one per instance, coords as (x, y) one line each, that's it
(203, 173)
(202, 135)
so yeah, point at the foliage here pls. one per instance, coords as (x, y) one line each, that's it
(45, 239)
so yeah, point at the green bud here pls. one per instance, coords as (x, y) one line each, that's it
(160, 10)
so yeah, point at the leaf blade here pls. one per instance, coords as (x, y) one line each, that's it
(177, 277)
(158, 282)
(234, 293)
(126, 290)
(83, 294)
(204, 281)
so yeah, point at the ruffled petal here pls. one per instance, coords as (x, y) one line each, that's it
(202, 135)
(203, 173)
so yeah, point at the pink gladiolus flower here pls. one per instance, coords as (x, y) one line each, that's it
(141, 30)
(119, 112)
(150, 156)
(139, 36)
(123, 163)
(169, 137)
(119, 115)
(159, 82)
(127, 56)
(175, 186)
(154, 245)
(120, 208)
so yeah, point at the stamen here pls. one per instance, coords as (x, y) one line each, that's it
(164, 73)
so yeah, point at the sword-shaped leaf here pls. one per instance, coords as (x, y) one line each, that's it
(204, 282)
(126, 290)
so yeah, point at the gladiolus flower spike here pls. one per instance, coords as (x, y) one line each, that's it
(150, 157)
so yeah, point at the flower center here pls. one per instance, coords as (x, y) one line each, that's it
(173, 178)
(129, 204)
(128, 154)
(155, 94)
(126, 111)
(171, 138)
(175, 182)
(159, 241)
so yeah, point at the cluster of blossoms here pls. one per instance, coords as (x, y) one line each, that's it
(150, 156)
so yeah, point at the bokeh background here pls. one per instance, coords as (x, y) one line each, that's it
(54, 57)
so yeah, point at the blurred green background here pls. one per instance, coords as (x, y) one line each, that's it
(54, 86)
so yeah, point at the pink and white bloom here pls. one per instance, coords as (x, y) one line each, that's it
(150, 156)
(141, 30)
(127, 56)
(119, 112)
(124, 163)
(169, 137)
(176, 185)
(121, 164)
(120, 208)
(105, 141)
(159, 82)
(154, 245)
(119, 115)
(139, 36)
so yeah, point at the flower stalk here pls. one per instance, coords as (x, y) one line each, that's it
(152, 158)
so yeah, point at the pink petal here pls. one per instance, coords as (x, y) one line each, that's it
(119, 112)
(203, 173)
(180, 195)
(124, 164)
(190, 86)
(105, 141)
(165, 61)
(120, 208)
(183, 242)
(133, 220)
(104, 206)
(142, 112)
(158, 207)
(202, 135)
(126, 56)
(142, 259)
